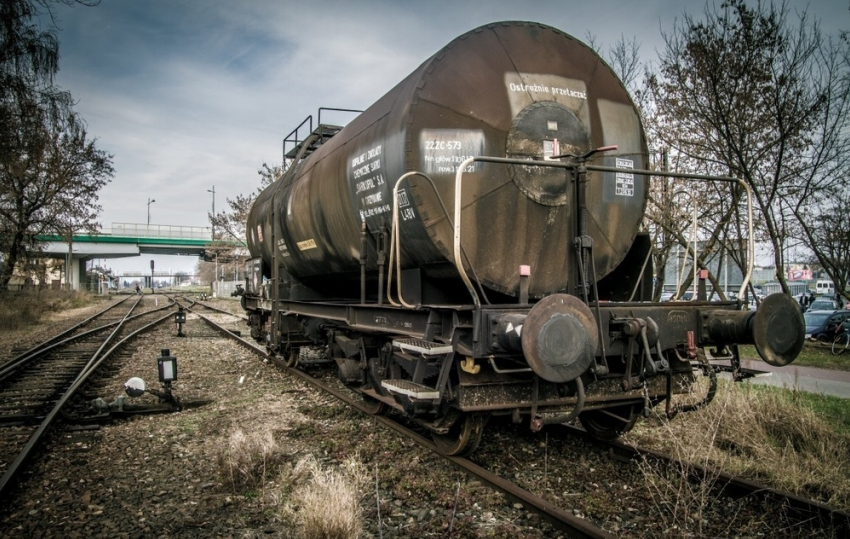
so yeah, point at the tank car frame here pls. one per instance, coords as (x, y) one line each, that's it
(468, 246)
(451, 367)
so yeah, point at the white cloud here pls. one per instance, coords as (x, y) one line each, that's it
(191, 94)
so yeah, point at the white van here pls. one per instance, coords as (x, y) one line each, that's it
(825, 288)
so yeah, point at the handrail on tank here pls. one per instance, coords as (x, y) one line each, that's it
(295, 141)
(395, 253)
(459, 184)
(335, 110)
(395, 248)
(598, 168)
(751, 243)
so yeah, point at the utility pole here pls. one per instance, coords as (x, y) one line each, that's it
(212, 221)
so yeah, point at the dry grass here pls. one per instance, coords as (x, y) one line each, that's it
(685, 492)
(761, 433)
(250, 459)
(325, 504)
(773, 435)
(26, 308)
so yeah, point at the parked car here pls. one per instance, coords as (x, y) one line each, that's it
(821, 325)
(824, 304)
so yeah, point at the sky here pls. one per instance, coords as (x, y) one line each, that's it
(194, 95)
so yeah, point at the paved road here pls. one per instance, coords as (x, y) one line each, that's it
(810, 379)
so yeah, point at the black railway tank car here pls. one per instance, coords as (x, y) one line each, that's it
(469, 246)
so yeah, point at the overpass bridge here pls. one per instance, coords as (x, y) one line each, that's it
(126, 240)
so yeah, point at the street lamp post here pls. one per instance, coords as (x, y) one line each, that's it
(213, 211)
(150, 201)
(213, 229)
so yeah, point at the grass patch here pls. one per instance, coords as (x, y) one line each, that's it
(791, 440)
(813, 355)
(832, 410)
(25, 308)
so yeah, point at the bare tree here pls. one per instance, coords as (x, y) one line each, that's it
(232, 223)
(624, 58)
(53, 180)
(49, 171)
(746, 88)
(831, 233)
(230, 226)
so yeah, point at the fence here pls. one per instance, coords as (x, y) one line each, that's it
(224, 289)
(161, 231)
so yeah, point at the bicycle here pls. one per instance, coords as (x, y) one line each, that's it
(841, 342)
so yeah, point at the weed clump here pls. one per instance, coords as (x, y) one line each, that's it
(325, 503)
(26, 308)
(250, 459)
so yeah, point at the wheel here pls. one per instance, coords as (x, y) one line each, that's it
(823, 338)
(463, 437)
(840, 344)
(371, 405)
(610, 423)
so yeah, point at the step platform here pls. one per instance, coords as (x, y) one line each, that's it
(411, 389)
(426, 348)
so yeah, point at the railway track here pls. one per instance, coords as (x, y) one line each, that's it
(38, 384)
(552, 511)
(801, 509)
(808, 512)
(559, 518)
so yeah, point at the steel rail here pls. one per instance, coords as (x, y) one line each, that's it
(804, 509)
(210, 307)
(38, 351)
(59, 337)
(559, 518)
(97, 359)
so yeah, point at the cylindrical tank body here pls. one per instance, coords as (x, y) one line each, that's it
(509, 89)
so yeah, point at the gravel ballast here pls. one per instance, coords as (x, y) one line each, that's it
(168, 475)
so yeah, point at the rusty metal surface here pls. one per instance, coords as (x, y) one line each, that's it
(779, 329)
(559, 338)
(507, 89)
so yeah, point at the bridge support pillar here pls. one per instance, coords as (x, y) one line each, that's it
(76, 274)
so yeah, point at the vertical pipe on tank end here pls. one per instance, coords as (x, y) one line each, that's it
(274, 343)
(524, 272)
(582, 227)
(363, 263)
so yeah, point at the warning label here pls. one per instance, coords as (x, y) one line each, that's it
(625, 180)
